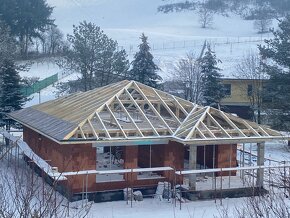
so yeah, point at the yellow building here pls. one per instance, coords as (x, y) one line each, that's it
(241, 95)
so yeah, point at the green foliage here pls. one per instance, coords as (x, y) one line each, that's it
(213, 88)
(143, 67)
(7, 44)
(277, 50)
(96, 56)
(11, 98)
(26, 19)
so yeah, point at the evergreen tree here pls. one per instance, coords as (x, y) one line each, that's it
(7, 44)
(277, 50)
(26, 19)
(93, 54)
(11, 98)
(143, 67)
(213, 88)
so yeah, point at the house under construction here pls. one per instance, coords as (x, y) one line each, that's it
(130, 134)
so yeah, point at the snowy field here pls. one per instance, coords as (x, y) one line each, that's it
(171, 36)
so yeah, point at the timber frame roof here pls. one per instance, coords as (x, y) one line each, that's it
(133, 113)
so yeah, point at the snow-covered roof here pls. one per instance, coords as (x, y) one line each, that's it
(133, 113)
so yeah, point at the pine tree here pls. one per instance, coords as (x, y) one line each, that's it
(26, 19)
(143, 67)
(7, 43)
(11, 98)
(277, 50)
(213, 88)
(93, 54)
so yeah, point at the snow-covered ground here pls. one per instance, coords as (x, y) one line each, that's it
(162, 209)
(125, 20)
(153, 207)
(171, 36)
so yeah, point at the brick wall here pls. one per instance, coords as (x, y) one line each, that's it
(70, 157)
(76, 157)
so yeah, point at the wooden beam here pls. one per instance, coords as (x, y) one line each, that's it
(93, 130)
(166, 107)
(197, 123)
(216, 122)
(141, 111)
(131, 119)
(103, 125)
(115, 119)
(152, 107)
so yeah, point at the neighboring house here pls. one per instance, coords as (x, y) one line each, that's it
(128, 134)
(242, 96)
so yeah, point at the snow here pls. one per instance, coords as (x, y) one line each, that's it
(42, 164)
(126, 21)
(162, 209)
(41, 68)
(171, 36)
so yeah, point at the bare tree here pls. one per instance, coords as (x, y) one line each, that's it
(262, 25)
(263, 15)
(52, 41)
(253, 79)
(205, 16)
(272, 203)
(24, 194)
(55, 38)
(188, 73)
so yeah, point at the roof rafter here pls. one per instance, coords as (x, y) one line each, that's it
(129, 116)
(152, 107)
(141, 111)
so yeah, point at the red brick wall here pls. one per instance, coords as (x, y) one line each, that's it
(131, 161)
(76, 157)
(170, 155)
(226, 156)
(71, 157)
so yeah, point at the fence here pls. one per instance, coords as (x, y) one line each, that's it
(196, 43)
(38, 86)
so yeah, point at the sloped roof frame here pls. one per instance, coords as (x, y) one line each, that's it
(200, 125)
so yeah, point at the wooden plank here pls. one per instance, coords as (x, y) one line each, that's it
(141, 111)
(166, 107)
(152, 107)
(130, 118)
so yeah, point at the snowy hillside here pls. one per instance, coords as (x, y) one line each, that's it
(171, 36)
(125, 20)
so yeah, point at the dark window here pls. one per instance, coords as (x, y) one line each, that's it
(250, 90)
(228, 89)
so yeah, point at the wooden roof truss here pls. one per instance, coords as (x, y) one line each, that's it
(212, 124)
(135, 111)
